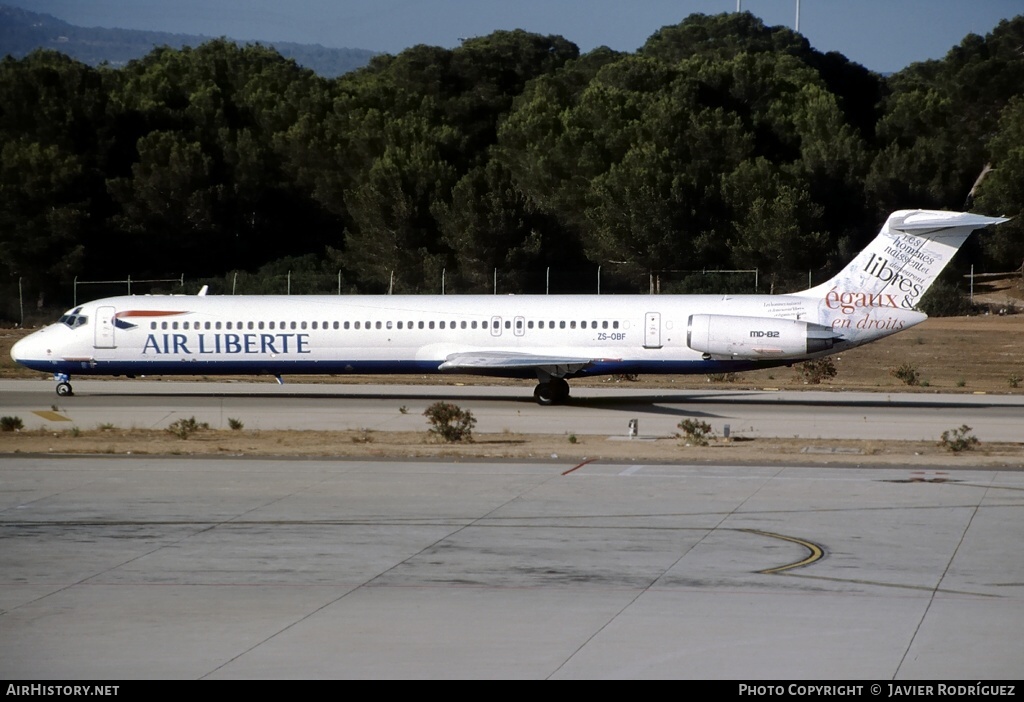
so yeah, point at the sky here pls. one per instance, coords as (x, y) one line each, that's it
(882, 35)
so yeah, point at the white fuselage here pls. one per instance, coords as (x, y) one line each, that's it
(392, 334)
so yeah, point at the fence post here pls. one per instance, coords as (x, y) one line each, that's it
(21, 303)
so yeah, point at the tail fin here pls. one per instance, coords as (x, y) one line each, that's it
(903, 261)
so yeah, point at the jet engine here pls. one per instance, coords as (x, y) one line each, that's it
(756, 338)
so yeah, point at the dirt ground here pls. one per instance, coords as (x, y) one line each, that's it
(569, 450)
(982, 354)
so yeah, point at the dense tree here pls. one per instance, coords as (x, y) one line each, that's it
(722, 142)
(940, 115)
(1002, 193)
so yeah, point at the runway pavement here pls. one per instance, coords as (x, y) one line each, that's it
(601, 411)
(124, 568)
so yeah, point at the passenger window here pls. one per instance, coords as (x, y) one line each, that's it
(572, 324)
(474, 324)
(430, 325)
(216, 325)
(152, 325)
(615, 325)
(357, 325)
(561, 325)
(388, 325)
(378, 325)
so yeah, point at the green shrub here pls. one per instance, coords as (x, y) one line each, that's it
(945, 300)
(696, 432)
(907, 373)
(235, 424)
(818, 370)
(450, 422)
(957, 440)
(11, 424)
(184, 428)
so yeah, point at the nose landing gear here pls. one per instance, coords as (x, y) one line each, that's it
(63, 386)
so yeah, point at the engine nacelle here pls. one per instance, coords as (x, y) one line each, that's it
(756, 338)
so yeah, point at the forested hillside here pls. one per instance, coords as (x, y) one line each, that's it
(22, 32)
(720, 144)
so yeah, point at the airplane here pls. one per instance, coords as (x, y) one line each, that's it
(552, 338)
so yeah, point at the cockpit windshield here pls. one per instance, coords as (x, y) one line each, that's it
(73, 319)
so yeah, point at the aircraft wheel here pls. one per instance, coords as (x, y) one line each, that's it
(544, 394)
(64, 389)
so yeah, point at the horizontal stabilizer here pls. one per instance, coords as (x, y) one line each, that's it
(931, 220)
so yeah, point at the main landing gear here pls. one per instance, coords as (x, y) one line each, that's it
(553, 391)
(63, 386)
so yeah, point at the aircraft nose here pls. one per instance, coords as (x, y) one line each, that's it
(15, 350)
(26, 349)
(18, 350)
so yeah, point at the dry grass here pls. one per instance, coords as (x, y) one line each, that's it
(368, 444)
